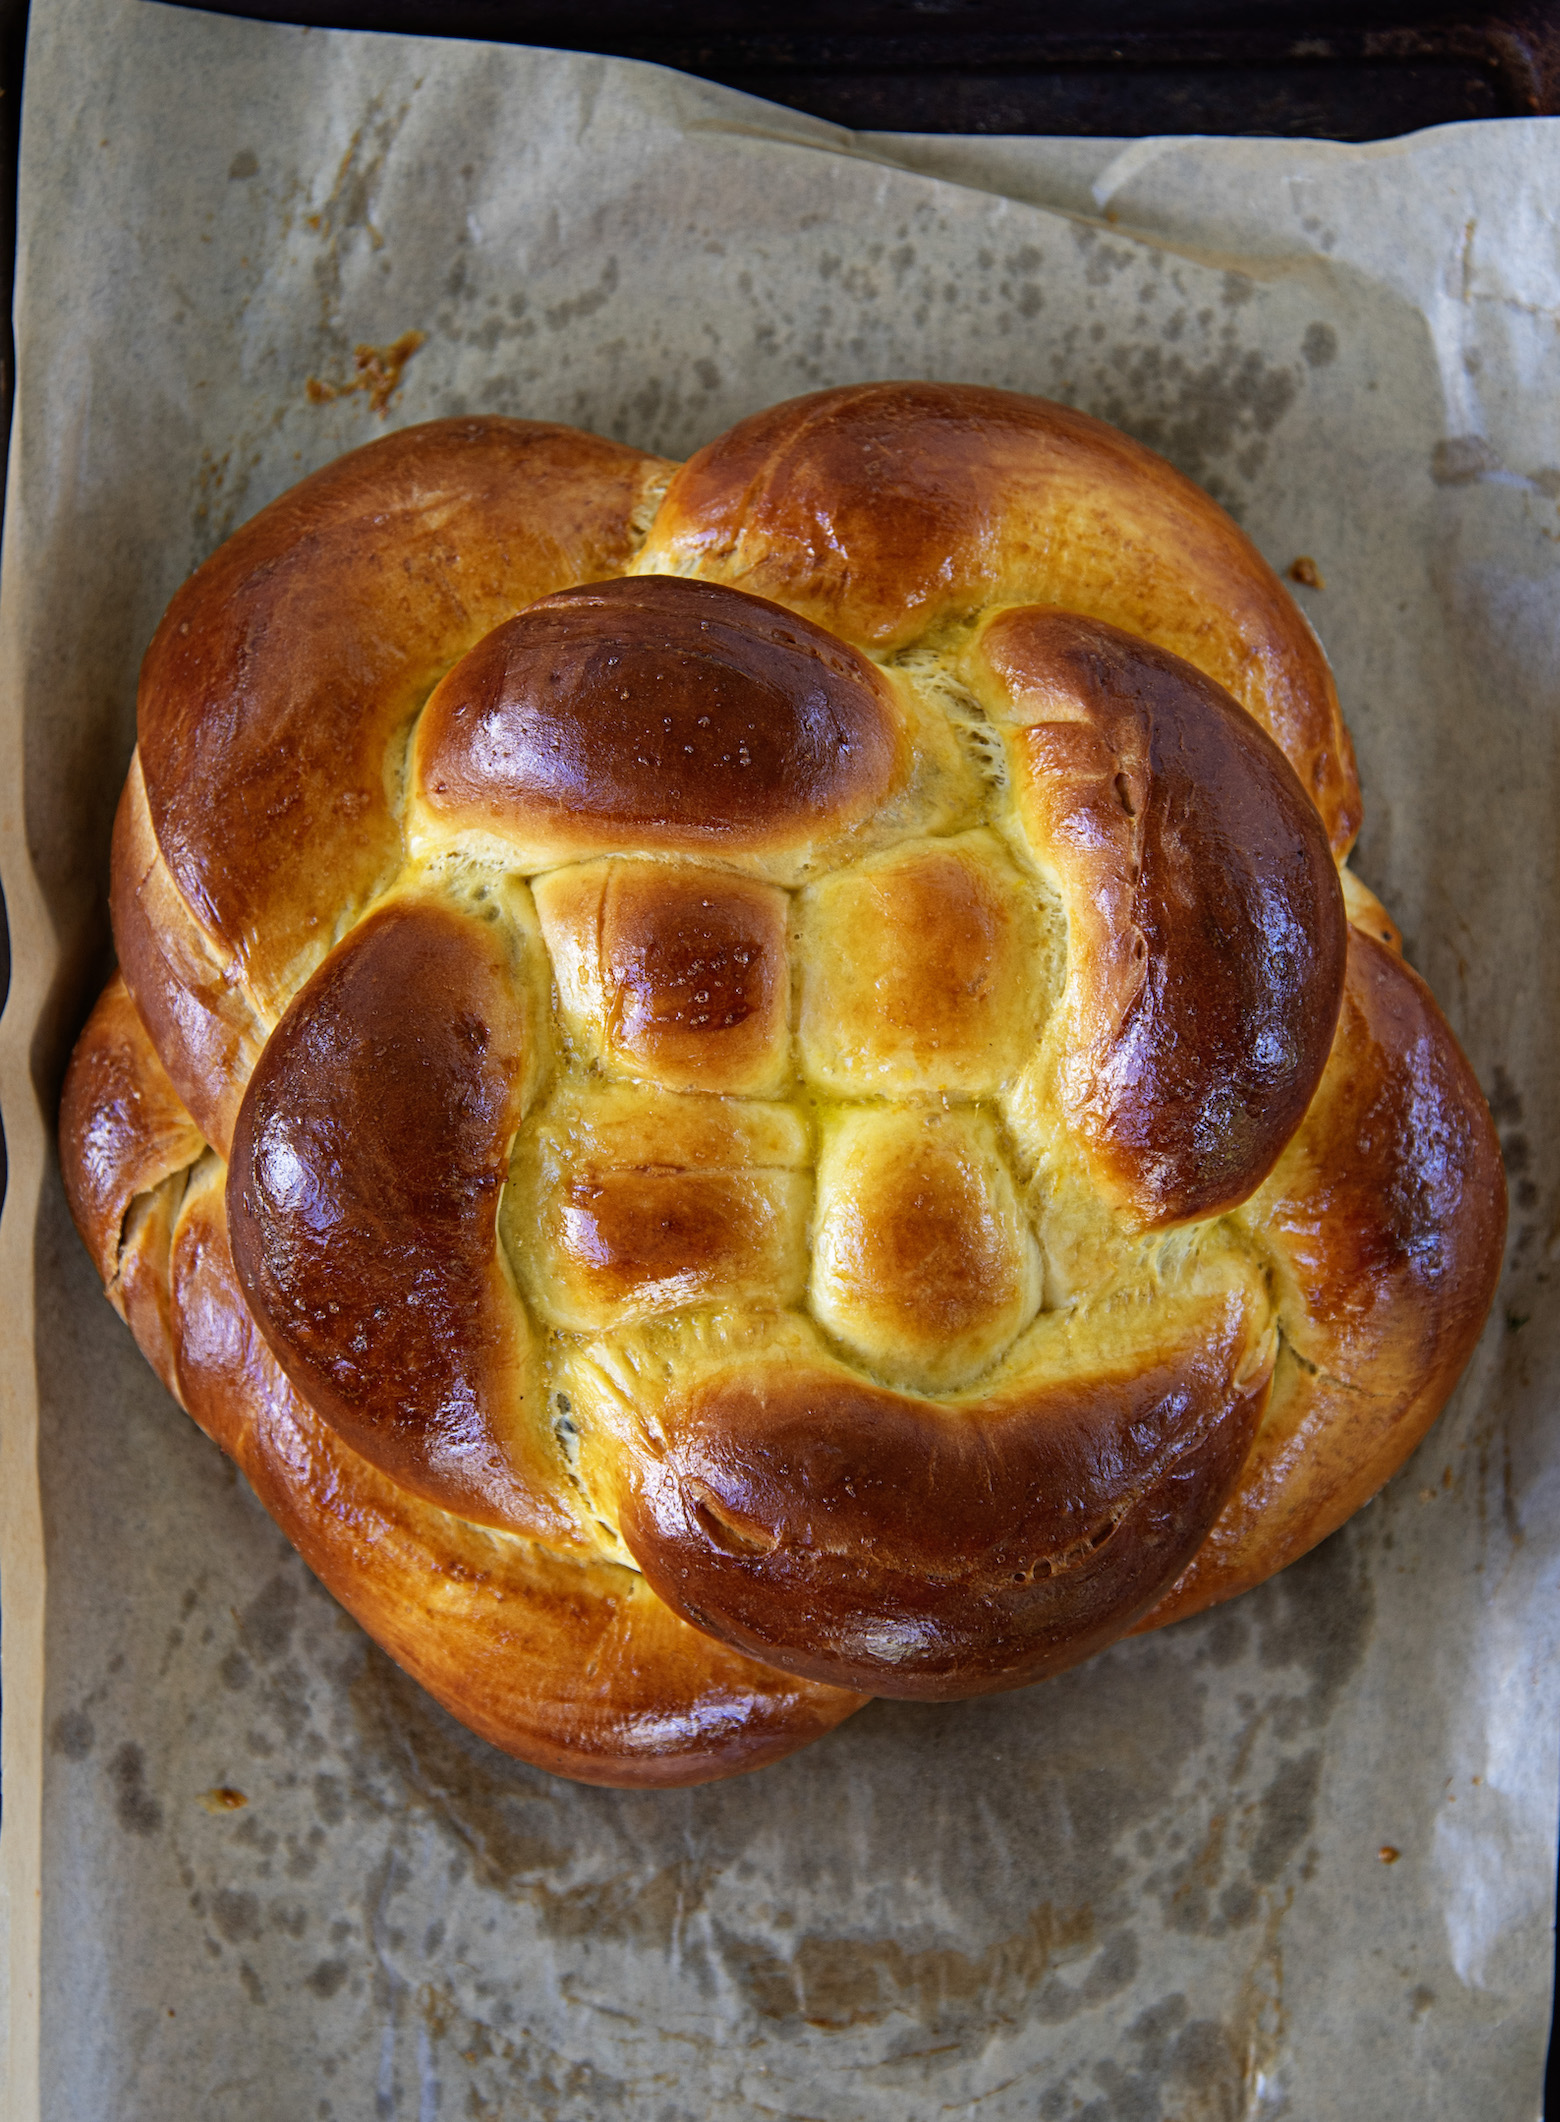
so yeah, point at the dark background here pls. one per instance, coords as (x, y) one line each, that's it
(1359, 70)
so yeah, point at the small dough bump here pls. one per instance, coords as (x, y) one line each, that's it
(672, 972)
(629, 1202)
(923, 1264)
(931, 968)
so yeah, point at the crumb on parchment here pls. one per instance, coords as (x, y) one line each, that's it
(224, 1799)
(377, 370)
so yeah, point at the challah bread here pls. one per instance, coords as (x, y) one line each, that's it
(741, 1086)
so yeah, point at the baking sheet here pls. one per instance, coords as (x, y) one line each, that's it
(1150, 1889)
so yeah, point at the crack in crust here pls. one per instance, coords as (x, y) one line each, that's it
(830, 1174)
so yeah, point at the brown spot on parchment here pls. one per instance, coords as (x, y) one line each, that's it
(223, 1799)
(376, 370)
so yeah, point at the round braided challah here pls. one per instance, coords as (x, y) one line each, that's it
(746, 1085)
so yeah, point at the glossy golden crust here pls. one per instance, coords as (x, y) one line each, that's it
(368, 1160)
(924, 969)
(788, 1128)
(207, 1026)
(126, 1142)
(123, 1129)
(623, 1206)
(924, 1265)
(1385, 1223)
(886, 511)
(1206, 922)
(676, 975)
(673, 716)
(931, 1550)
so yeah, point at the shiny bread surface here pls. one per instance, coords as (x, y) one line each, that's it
(765, 1065)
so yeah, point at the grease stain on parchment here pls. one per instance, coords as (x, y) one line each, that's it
(1190, 362)
(137, 1810)
(74, 1735)
(850, 1983)
(835, 1982)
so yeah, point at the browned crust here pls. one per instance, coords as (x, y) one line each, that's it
(123, 1129)
(924, 1265)
(1385, 1221)
(660, 714)
(205, 1025)
(573, 1665)
(678, 974)
(126, 1142)
(918, 1549)
(1205, 915)
(368, 1160)
(886, 510)
(285, 666)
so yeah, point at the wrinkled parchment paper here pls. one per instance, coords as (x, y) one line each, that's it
(1151, 1891)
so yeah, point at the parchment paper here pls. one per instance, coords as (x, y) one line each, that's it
(1151, 1891)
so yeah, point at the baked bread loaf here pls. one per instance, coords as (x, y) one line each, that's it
(745, 1085)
